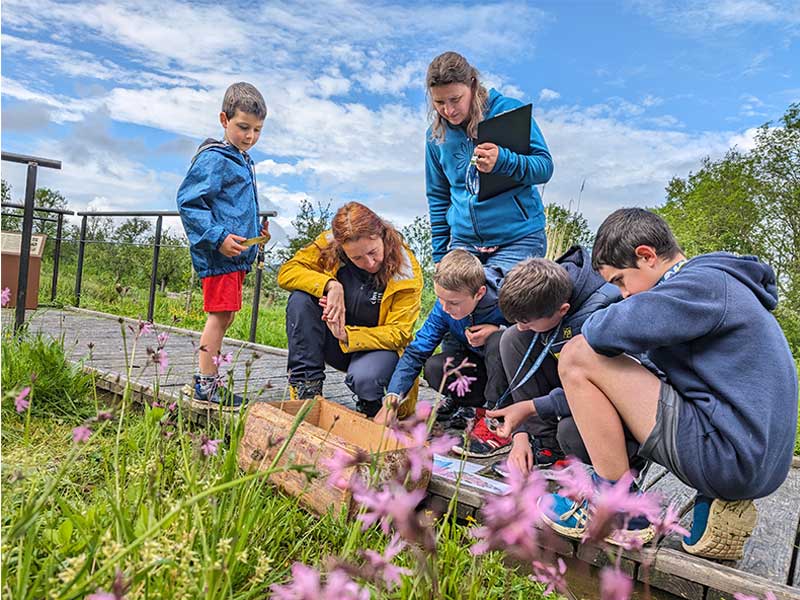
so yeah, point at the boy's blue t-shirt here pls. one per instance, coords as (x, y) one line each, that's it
(437, 324)
(218, 197)
(710, 330)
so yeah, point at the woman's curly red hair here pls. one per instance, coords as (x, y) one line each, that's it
(354, 221)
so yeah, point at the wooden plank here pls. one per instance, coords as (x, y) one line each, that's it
(768, 552)
(677, 586)
(718, 576)
(599, 557)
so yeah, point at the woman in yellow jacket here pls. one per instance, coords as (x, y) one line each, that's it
(356, 294)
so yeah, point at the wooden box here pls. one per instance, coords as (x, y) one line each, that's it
(327, 427)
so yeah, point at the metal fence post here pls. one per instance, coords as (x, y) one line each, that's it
(81, 250)
(56, 257)
(25, 246)
(151, 303)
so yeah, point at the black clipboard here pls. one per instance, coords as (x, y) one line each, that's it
(511, 130)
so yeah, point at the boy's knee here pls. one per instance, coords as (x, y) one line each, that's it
(433, 371)
(574, 356)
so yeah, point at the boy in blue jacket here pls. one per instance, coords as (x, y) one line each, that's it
(466, 307)
(723, 419)
(218, 205)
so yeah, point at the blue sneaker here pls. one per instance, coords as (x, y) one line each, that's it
(211, 390)
(720, 527)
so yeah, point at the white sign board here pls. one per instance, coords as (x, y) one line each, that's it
(12, 243)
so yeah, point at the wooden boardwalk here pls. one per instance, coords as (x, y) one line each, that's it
(770, 563)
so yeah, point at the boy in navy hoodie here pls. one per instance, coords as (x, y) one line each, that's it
(723, 419)
(466, 307)
(549, 301)
(218, 205)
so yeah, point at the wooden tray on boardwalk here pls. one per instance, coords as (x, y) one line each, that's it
(770, 562)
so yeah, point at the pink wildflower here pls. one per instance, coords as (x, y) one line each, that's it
(510, 521)
(339, 586)
(338, 465)
(740, 596)
(382, 563)
(423, 410)
(145, 327)
(5, 296)
(81, 434)
(161, 360)
(305, 584)
(220, 360)
(390, 505)
(614, 584)
(162, 339)
(552, 575)
(208, 446)
(461, 384)
(104, 415)
(22, 403)
(670, 523)
(101, 595)
(612, 500)
(575, 481)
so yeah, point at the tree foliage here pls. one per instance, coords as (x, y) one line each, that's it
(748, 202)
(565, 229)
(418, 237)
(309, 223)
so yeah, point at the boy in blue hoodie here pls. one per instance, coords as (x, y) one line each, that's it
(723, 419)
(466, 307)
(218, 205)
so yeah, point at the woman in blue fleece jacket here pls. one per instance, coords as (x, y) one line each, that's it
(501, 230)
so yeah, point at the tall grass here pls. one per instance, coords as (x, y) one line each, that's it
(142, 509)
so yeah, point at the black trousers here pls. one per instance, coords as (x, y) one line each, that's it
(491, 378)
(312, 346)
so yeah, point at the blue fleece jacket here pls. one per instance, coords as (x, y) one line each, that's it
(590, 293)
(437, 324)
(458, 216)
(709, 329)
(218, 197)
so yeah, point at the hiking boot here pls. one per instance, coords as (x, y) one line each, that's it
(213, 391)
(305, 390)
(446, 408)
(368, 407)
(546, 452)
(720, 528)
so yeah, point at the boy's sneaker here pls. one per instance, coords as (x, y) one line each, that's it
(571, 518)
(212, 391)
(446, 408)
(305, 390)
(720, 528)
(475, 448)
(546, 452)
(483, 442)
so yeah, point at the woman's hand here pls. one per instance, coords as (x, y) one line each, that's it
(478, 334)
(333, 309)
(521, 456)
(230, 245)
(512, 416)
(338, 330)
(487, 156)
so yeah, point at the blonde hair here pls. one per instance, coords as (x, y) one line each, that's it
(460, 271)
(448, 68)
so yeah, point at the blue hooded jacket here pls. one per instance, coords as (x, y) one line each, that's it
(218, 197)
(709, 329)
(458, 216)
(590, 293)
(437, 324)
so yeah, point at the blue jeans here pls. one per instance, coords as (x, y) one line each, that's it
(505, 257)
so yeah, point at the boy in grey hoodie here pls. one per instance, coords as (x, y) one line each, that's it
(723, 419)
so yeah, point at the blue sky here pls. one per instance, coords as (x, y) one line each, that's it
(628, 94)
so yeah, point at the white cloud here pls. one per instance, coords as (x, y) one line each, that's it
(710, 15)
(548, 95)
(275, 169)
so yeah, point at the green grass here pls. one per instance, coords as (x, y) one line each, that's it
(140, 497)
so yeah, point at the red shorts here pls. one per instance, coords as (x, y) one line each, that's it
(223, 292)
